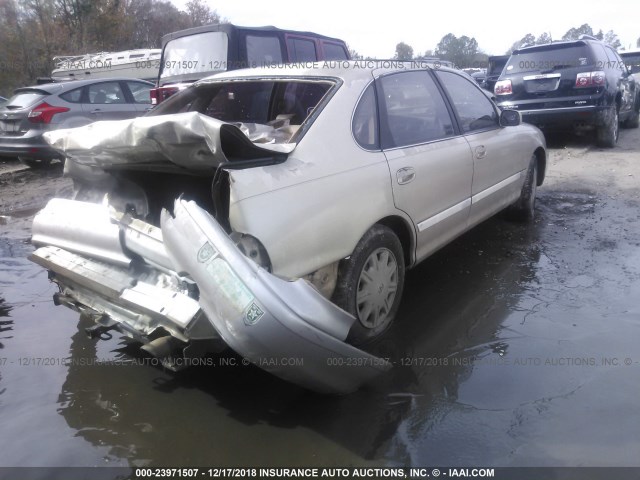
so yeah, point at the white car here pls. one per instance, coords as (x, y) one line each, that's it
(299, 198)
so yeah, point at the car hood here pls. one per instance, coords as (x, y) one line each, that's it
(189, 140)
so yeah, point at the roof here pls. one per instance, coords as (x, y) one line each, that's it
(229, 28)
(62, 86)
(342, 69)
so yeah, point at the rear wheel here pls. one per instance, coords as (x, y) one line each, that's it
(524, 208)
(633, 121)
(608, 133)
(370, 284)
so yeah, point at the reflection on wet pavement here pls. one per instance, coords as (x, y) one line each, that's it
(511, 349)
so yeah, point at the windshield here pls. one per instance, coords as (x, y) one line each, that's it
(265, 110)
(195, 55)
(550, 59)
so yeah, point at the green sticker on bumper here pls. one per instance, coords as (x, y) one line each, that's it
(230, 285)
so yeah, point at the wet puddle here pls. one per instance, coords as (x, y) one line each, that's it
(511, 349)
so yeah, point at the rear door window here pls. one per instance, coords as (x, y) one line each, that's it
(106, 93)
(74, 96)
(412, 110)
(301, 50)
(334, 51)
(475, 111)
(365, 120)
(263, 50)
(140, 92)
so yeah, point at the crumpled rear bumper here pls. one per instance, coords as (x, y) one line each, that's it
(187, 282)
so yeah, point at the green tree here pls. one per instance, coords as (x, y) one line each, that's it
(528, 39)
(610, 38)
(354, 54)
(427, 54)
(461, 51)
(199, 13)
(544, 38)
(574, 33)
(403, 52)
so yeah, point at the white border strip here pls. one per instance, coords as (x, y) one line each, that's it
(491, 190)
(430, 222)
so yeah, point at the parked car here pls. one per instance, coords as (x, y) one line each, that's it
(632, 59)
(495, 65)
(35, 110)
(581, 85)
(195, 53)
(303, 196)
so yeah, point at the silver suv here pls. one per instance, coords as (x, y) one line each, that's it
(35, 110)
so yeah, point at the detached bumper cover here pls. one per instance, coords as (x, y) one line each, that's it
(139, 281)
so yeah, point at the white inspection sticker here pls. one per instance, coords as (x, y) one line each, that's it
(230, 285)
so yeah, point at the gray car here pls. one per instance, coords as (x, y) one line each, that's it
(35, 110)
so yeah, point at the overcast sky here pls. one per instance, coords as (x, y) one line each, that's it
(374, 30)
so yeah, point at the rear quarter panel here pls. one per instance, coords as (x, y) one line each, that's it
(313, 209)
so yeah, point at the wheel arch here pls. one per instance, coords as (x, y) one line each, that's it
(405, 233)
(541, 158)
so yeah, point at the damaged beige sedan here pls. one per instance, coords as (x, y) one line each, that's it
(275, 211)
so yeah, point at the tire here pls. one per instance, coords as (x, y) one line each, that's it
(524, 208)
(370, 284)
(633, 121)
(34, 162)
(608, 134)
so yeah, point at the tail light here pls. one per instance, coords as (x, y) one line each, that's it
(590, 79)
(503, 87)
(44, 112)
(160, 94)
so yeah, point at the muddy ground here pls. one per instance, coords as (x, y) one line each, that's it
(515, 346)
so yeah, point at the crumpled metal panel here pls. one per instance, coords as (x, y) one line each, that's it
(264, 318)
(79, 227)
(284, 327)
(190, 140)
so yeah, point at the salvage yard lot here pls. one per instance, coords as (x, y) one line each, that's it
(514, 346)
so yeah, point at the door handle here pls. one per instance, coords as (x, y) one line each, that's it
(97, 110)
(405, 175)
(481, 151)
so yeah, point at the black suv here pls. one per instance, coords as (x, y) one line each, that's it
(581, 85)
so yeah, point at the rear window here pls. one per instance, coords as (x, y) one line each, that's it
(546, 59)
(257, 105)
(195, 54)
(25, 98)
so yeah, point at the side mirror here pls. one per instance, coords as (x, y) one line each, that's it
(510, 118)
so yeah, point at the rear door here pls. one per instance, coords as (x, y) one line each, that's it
(498, 163)
(139, 95)
(108, 101)
(430, 163)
